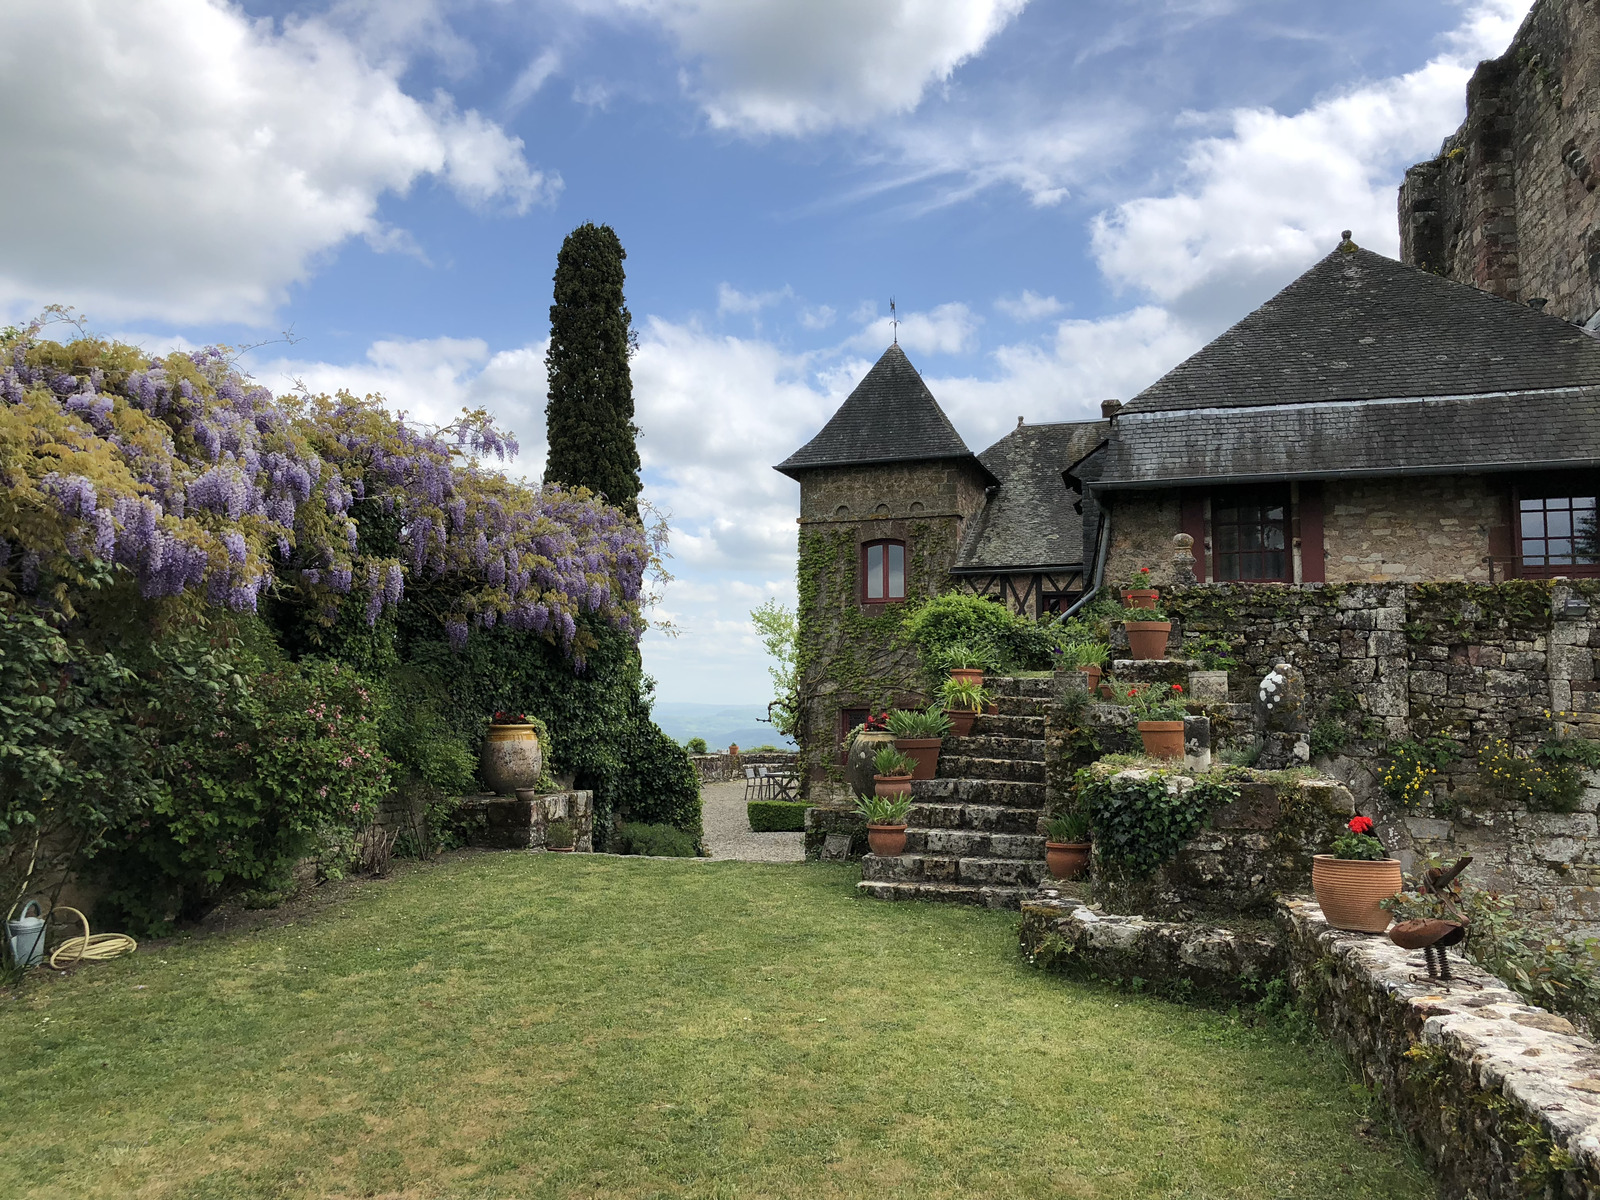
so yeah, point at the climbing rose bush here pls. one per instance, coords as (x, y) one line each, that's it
(195, 480)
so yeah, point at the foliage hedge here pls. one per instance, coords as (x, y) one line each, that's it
(959, 619)
(660, 841)
(777, 816)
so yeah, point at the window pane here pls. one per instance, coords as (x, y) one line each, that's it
(875, 572)
(1272, 537)
(1532, 505)
(1250, 537)
(1275, 513)
(1558, 524)
(1584, 502)
(1532, 522)
(1273, 564)
(1227, 538)
(1227, 566)
(897, 572)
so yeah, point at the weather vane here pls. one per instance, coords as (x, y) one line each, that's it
(894, 322)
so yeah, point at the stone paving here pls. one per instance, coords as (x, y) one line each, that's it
(728, 834)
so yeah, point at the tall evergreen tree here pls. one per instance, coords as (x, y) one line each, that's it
(589, 416)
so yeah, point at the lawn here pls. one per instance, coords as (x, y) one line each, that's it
(513, 1025)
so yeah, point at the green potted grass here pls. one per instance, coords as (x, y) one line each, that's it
(560, 837)
(1066, 844)
(963, 700)
(1089, 658)
(919, 733)
(967, 662)
(886, 823)
(894, 771)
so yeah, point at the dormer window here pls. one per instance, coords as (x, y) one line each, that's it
(883, 572)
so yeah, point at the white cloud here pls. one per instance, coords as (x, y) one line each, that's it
(1257, 204)
(187, 163)
(731, 300)
(1030, 306)
(948, 329)
(802, 66)
(817, 318)
(532, 78)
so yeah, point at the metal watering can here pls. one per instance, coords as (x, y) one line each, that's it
(27, 936)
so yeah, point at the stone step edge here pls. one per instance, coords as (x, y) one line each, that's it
(979, 895)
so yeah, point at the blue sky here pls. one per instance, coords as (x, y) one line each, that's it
(1064, 198)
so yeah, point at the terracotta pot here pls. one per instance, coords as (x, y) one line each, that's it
(892, 785)
(510, 759)
(1148, 639)
(1140, 598)
(1066, 860)
(1348, 890)
(1107, 692)
(925, 751)
(887, 841)
(858, 769)
(960, 720)
(967, 674)
(1093, 674)
(1162, 739)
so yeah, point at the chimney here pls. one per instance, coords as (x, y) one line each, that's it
(1538, 303)
(1108, 408)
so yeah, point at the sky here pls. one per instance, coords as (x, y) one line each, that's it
(1065, 198)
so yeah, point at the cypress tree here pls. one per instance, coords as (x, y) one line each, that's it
(589, 416)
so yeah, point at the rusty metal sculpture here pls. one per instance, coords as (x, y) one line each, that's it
(1434, 935)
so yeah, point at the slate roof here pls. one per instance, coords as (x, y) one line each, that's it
(1359, 326)
(890, 417)
(1029, 521)
(1448, 435)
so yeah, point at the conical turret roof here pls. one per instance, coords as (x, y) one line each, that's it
(890, 417)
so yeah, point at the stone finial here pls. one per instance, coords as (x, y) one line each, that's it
(1345, 243)
(1280, 700)
(1183, 560)
(1108, 408)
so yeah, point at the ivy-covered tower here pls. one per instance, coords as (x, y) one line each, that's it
(886, 490)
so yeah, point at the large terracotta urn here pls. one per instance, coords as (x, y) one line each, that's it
(858, 769)
(511, 758)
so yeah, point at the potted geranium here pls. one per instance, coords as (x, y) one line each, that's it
(1352, 883)
(1140, 594)
(1159, 710)
(963, 701)
(511, 757)
(894, 772)
(886, 823)
(1066, 844)
(919, 733)
(560, 837)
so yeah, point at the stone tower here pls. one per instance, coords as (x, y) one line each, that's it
(886, 490)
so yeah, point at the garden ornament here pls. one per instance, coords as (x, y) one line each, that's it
(1432, 935)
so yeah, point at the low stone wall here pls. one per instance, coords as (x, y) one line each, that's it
(519, 824)
(1183, 960)
(835, 834)
(723, 767)
(1503, 1098)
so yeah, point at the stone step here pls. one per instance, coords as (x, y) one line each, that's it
(970, 843)
(953, 868)
(1021, 770)
(980, 818)
(1019, 706)
(986, 745)
(991, 725)
(944, 893)
(1010, 685)
(1002, 792)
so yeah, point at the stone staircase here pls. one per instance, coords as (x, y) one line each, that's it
(973, 835)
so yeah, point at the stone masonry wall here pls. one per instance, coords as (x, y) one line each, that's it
(1466, 662)
(1511, 202)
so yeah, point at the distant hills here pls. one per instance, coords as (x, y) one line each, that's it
(720, 724)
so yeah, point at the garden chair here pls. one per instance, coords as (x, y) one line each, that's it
(752, 787)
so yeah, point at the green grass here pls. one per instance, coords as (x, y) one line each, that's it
(565, 1025)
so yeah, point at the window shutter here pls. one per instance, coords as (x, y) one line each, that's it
(1192, 520)
(1313, 560)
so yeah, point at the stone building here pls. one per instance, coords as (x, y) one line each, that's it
(1510, 204)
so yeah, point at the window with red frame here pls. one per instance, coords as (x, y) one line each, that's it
(883, 572)
(1557, 535)
(1250, 535)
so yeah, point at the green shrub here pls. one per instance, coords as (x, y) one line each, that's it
(884, 810)
(777, 816)
(659, 841)
(1413, 766)
(696, 745)
(1139, 823)
(1571, 751)
(1328, 736)
(1547, 786)
(990, 634)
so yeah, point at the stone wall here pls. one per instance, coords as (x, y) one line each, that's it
(502, 824)
(1142, 526)
(1502, 1098)
(1511, 204)
(1465, 662)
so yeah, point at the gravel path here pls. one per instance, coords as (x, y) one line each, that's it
(727, 829)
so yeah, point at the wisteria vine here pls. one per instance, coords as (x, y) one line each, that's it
(194, 479)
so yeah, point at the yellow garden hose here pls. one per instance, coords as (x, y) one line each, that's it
(89, 948)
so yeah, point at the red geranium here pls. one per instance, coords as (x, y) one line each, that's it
(1360, 825)
(1177, 687)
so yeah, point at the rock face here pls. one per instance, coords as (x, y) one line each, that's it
(1511, 204)
(1502, 1097)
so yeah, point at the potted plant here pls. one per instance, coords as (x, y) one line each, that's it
(560, 837)
(919, 733)
(894, 770)
(968, 662)
(1140, 594)
(1148, 633)
(1352, 883)
(861, 744)
(1160, 712)
(963, 701)
(511, 757)
(1066, 844)
(886, 823)
(1088, 657)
